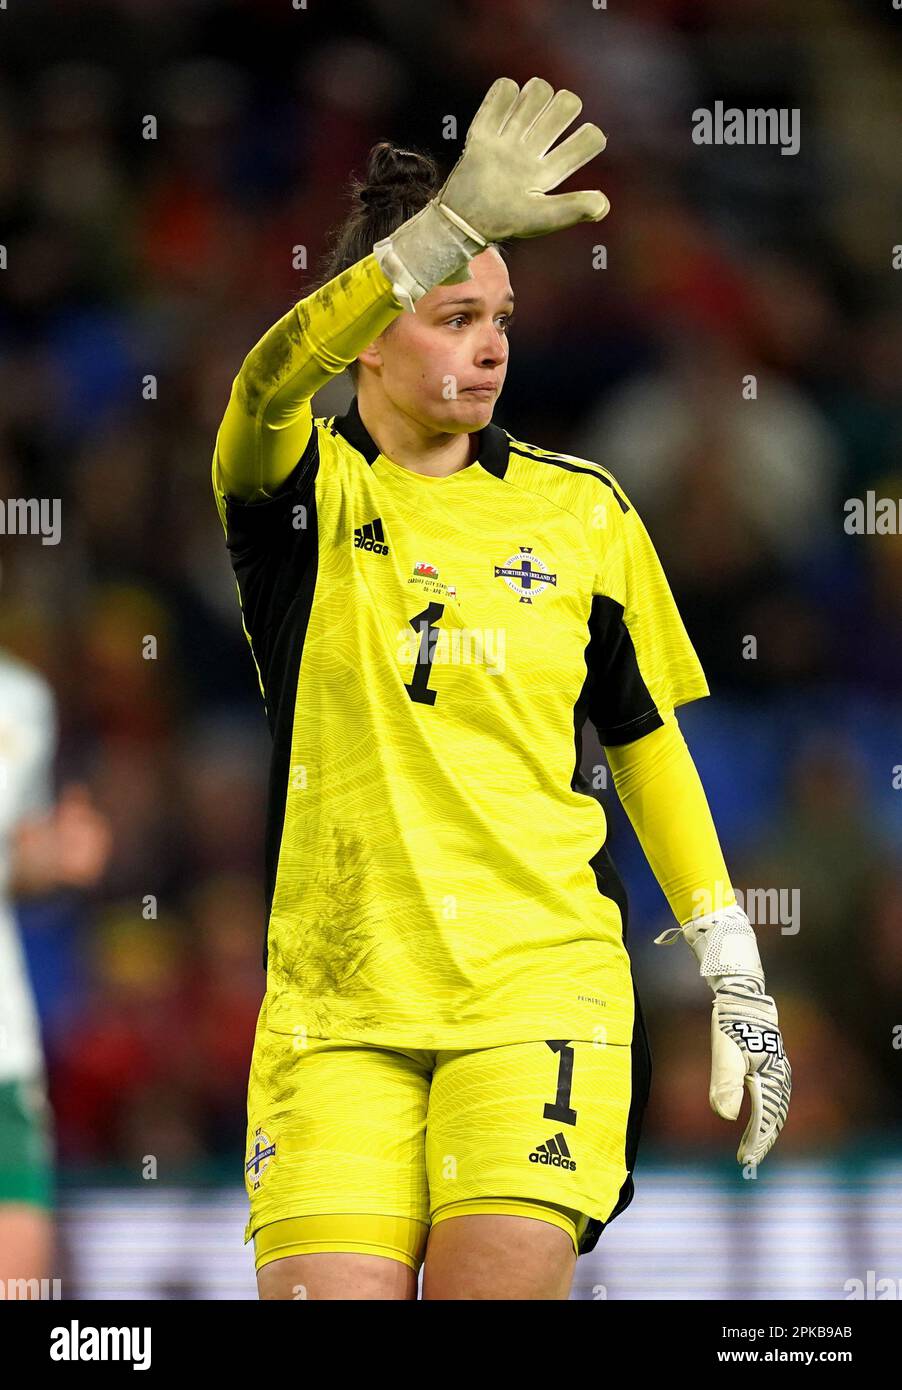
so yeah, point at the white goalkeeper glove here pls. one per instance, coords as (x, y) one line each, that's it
(498, 188)
(746, 1044)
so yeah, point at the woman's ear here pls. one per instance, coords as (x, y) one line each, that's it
(371, 356)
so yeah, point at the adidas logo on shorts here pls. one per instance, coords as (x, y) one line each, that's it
(554, 1152)
(371, 537)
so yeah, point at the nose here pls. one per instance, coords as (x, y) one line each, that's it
(492, 348)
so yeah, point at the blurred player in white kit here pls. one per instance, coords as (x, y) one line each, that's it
(45, 844)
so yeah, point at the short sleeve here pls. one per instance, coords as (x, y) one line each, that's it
(641, 663)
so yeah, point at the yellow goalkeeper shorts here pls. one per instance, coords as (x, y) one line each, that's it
(352, 1147)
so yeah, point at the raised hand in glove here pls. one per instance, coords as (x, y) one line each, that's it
(498, 188)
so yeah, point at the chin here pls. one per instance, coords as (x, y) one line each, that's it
(474, 409)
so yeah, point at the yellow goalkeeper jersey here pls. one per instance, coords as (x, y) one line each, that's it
(429, 649)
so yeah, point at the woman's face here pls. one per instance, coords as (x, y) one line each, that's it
(429, 363)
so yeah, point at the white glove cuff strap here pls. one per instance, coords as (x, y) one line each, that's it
(424, 251)
(724, 943)
(469, 232)
(404, 287)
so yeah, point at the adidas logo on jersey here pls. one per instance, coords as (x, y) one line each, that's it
(371, 537)
(554, 1152)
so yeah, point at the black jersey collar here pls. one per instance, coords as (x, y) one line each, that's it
(493, 441)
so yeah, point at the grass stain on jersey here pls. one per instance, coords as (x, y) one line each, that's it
(269, 363)
(322, 960)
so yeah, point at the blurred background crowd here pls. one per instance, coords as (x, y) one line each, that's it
(132, 258)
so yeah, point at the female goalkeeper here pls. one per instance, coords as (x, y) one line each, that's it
(450, 1065)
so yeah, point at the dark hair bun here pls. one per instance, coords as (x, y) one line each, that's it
(394, 175)
(378, 195)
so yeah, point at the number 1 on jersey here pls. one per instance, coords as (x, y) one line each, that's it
(425, 624)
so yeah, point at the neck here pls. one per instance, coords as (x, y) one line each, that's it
(413, 445)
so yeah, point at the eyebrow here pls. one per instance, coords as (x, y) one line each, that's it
(472, 299)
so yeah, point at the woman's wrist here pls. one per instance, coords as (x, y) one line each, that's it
(428, 249)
